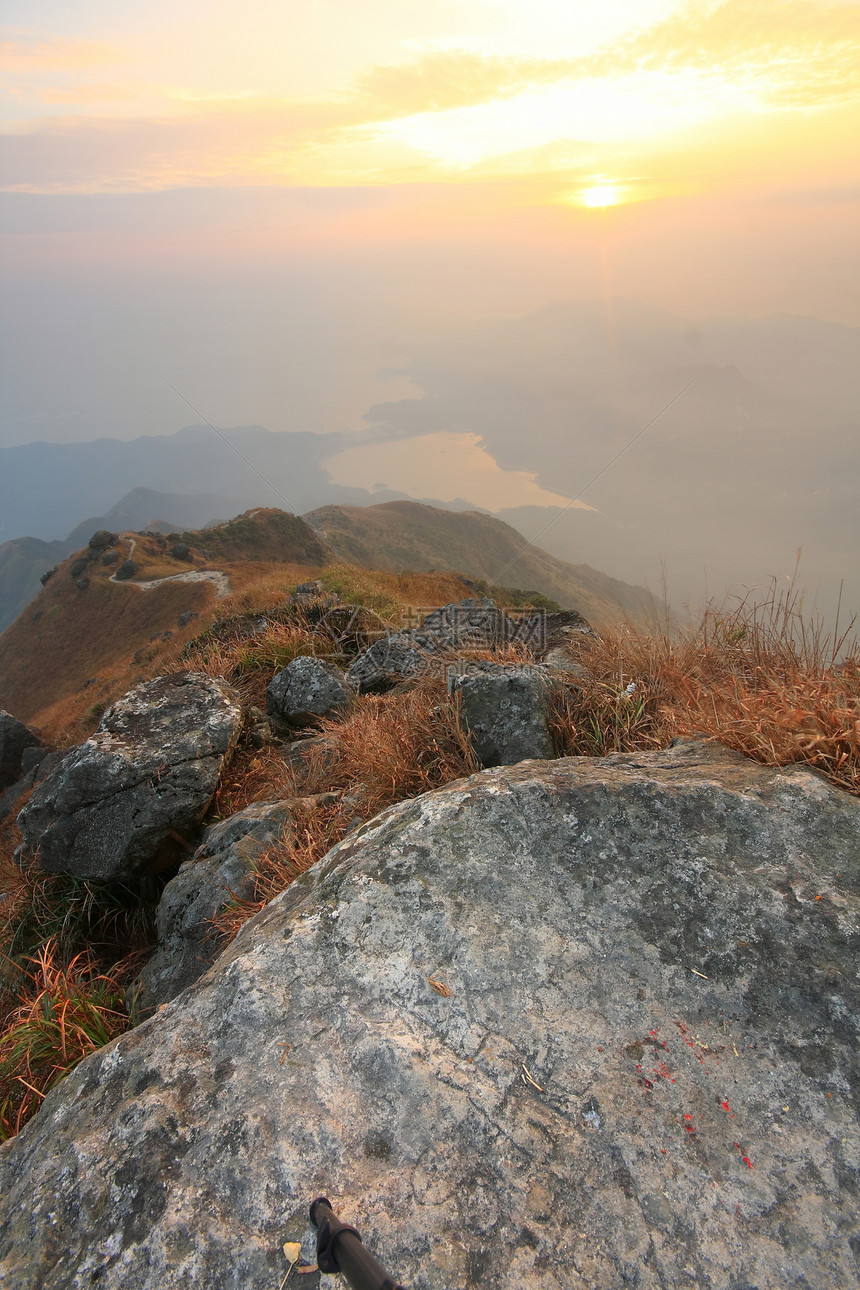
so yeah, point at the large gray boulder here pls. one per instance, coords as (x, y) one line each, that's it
(15, 739)
(306, 689)
(503, 709)
(571, 1023)
(221, 870)
(123, 802)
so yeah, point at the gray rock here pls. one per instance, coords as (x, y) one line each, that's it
(110, 557)
(32, 773)
(15, 739)
(32, 756)
(575, 1023)
(102, 539)
(467, 623)
(405, 655)
(187, 616)
(399, 657)
(79, 566)
(126, 570)
(221, 869)
(503, 709)
(48, 575)
(112, 808)
(307, 688)
(560, 661)
(82, 583)
(180, 551)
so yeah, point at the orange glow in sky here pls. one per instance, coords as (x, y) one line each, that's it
(140, 97)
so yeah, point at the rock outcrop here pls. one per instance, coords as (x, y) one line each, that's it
(306, 689)
(15, 739)
(583, 1022)
(123, 802)
(503, 709)
(466, 624)
(221, 870)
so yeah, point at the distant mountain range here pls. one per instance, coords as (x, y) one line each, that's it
(712, 449)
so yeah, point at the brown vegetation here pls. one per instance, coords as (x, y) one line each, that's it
(757, 677)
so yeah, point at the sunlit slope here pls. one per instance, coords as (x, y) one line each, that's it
(408, 535)
(75, 648)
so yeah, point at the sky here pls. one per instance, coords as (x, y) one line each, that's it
(280, 208)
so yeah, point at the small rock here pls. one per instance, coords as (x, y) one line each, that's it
(185, 618)
(32, 756)
(82, 583)
(77, 567)
(503, 710)
(110, 557)
(48, 575)
(394, 658)
(561, 661)
(467, 624)
(126, 570)
(307, 688)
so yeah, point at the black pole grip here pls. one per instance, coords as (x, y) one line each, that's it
(339, 1249)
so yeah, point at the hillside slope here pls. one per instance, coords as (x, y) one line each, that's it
(409, 535)
(22, 563)
(76, 647)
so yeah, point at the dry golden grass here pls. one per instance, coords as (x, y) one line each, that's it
(387, 749)
(66, 1012)
(757, 677)
(248, 663)
(68, 952)
(387, 594)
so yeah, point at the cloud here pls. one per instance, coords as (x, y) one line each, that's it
(441, 80)
(801, 52)
(445, 113)
(21, 54)
(235, 142)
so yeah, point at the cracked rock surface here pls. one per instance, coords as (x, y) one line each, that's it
(575, 1023)
(111, 808)
(221, 870)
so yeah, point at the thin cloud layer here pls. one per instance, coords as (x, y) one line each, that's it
(441, 114)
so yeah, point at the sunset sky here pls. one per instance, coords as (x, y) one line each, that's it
(285, 207)
(623, 102)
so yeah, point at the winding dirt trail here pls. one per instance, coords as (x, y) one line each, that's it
(217, 577)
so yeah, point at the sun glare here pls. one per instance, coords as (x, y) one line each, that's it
(600, 195)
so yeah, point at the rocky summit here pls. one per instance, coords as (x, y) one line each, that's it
(574, 1023)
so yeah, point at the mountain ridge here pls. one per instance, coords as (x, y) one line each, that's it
(91, 632)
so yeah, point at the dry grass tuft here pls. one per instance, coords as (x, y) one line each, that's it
(68, 950)
(758, 677)
(65, 1012)
(388, 748)
(248, 662)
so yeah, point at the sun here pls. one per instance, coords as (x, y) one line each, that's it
(600, 195)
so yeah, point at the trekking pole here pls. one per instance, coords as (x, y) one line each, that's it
(339, 1249)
